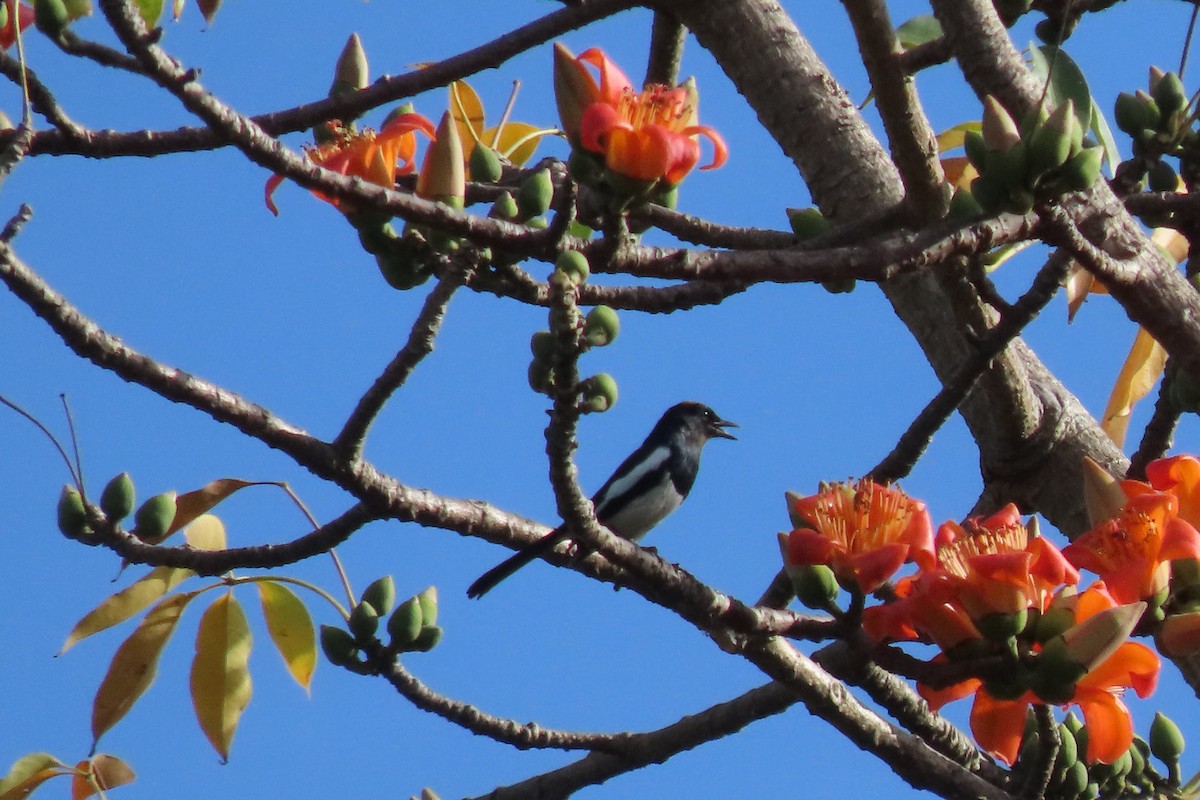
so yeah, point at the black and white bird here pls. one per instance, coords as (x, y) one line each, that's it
(648, 485)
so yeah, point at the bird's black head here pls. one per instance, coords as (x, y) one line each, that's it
(698, 419)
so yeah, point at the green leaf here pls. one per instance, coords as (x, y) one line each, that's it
(123, 605)
(1066, 83)
(1104, 134)
(151, 11)
(918, 30)
(221, 686)
(291, 630)
(135, 664)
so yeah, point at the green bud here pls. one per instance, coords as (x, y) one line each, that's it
(669, 199)
(339, 646)
(364, 621)
(1050, 143)
(153, 520)
(535, 195)
(839, 285)
(601, 326)
(381, 595)
(1082, 169)
(1068, 752)
(72, 516)
(1170, 95)
(1166, 740)
(117, 499)
(350, 73)
(1075, 779)
(504, 207)
(1052, 623)
(990, 193)
(1132, 115)
(540, 375)
(428, 639)
(963, 205)
(599, 393)
(1153, 114)
(51, 17)
(575, 265)
(807, 222)
(429, 605)
(541, 344)
(814, 584)
(976, 149)
(999, 627)
(485, 164)
(537, 223)
(1162, 177)
(404, 626)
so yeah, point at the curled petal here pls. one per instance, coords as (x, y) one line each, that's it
(1109, 726)
(612, 80)
(872, 567)
(273, 184)
(1050, 566)
(998, 725)
(1133, 665)
(1180, 540)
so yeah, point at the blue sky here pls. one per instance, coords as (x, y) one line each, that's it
(179, 257)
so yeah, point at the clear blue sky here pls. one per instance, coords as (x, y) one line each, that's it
(179, 257)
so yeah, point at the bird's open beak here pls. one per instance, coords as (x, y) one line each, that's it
(717, 429)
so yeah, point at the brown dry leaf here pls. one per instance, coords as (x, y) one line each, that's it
(221, 686)
(191, 505)
(291, 630)
(135, 664)
(101, 773)
(123, 605)
(1139, 373)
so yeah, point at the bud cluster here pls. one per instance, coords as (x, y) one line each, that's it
(411, 628)
(1019, 165)
(152, 520)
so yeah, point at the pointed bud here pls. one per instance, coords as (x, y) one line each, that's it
(505, 207)
(351, 73)
(1151, 110)
(793, 508)
(117, 499)
(1082, 169)
(381, 594)
(1096, 638)
(339, 646)
(1169, 93)
(429, 606)
(442, 176)
(574, 91)
(1050, 142)
(1132, 115)
(1000, 131)
(72, 516)
(1103, 496)
(976, 150)
(814, 585)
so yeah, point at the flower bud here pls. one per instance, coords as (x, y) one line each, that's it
(807, 222)
(1170, 95)
(428, 600)
(351, 72)
(1050, 142)
(541, 344)
(1162, 177)
(601, 326)
(599, 393)
(1103, 496)
(1082, 169)
(404, 626)
(427, 639)
(117, 499)
(1166, 740)
(574, 91)
(485, 164)
(535, 195)
(51, 17)
(381, 594)
(1000, 131)
(575, 265)
(339, 646)
(364, 621)
(814, 584)
(72, 516)
(442, 176)
(976, 150)
(154, 518)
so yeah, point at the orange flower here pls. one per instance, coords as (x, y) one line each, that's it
(863, 531)
(1180, 476)
(1132, 553)
(646, 136)
(998, 722)
(1000, 568)
(375, 157)
(8, 31)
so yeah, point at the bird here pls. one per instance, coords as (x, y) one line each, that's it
(648, 485)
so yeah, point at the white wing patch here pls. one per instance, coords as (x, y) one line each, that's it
(626, 482)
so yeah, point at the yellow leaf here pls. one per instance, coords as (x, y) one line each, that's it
(206, 533)
(131, 600)
(466, 109)
(135, 664)
(1139, 373)
(101, 773)
(959, 171)
(291, 630)
(220, 678)
(952, 138)
(191, 505)
(518, 141)
(27, 773)
(1172, 243)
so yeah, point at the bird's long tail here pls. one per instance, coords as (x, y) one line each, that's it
(488, 580)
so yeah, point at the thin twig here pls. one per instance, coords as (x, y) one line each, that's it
(900, 461)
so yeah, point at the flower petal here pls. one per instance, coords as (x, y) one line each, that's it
(998, 725)
(1109, 726)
